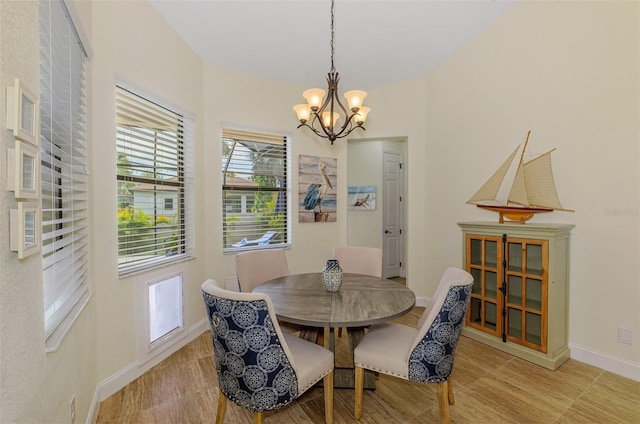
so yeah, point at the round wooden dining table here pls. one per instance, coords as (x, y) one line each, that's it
(362, 300)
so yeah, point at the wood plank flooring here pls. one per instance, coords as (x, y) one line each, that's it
(490, 387)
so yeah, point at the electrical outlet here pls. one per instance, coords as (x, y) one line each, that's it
(624, 335)
(72, 409)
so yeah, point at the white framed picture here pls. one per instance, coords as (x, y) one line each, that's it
(23, 170)
(23, 112)
(25, 229)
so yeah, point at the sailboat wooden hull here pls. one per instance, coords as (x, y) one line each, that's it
(514, 213)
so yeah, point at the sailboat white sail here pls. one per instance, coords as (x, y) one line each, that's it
(532, 191)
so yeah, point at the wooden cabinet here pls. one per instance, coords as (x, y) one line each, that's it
(520, 292)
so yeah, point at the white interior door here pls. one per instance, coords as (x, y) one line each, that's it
(393, 214)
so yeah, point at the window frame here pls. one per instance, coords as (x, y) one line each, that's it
(275, 138)
(63, 165)
(179, 245)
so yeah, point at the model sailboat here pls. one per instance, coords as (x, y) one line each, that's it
(532, 191)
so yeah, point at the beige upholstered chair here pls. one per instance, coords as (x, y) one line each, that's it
(359, 260)
(424, 354)
(257, 266)
(258, 366)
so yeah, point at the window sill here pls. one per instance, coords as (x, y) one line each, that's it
(150, 266)
(54, 340)
(234, 250)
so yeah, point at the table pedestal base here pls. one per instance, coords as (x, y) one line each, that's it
(343, 378)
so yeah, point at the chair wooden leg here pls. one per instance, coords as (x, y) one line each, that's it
(358, 392)
(452, 399)
(340, 332)
(328, 398)
(222, 407)
(258, 418)
(443, 401)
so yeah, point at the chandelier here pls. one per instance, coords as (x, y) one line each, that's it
(324, 115)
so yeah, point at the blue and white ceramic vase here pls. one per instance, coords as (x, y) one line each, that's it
(332, 275)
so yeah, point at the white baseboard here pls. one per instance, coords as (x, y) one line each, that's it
(117, 381)
(605, 361)
(589, 356)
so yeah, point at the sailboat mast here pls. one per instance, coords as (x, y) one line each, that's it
(518, 193)
(523, 150)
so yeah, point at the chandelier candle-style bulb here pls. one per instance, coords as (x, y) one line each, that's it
(355, 99)
(361, 115)
(314, 98)
(327, 121)
(303, 111)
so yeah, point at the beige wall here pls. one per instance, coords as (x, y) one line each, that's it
(566, 70)
(34, 386)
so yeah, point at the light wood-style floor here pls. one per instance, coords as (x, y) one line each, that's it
(490, 387)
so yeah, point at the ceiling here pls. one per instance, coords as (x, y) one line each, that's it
(376, 42)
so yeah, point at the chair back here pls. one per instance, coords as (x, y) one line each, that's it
(257, 266)
(254, 364)
(432, 352)
(359, 260)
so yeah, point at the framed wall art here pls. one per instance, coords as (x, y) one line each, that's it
(24, 236)
(317, 190)
(362, 198)
(23, 116)
(23, 170)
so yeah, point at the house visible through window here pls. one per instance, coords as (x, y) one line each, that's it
(153, 160)
(254, 190)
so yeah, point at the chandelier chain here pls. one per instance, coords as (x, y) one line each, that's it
(333, 68)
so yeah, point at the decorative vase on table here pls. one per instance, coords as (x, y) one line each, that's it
(332, 275)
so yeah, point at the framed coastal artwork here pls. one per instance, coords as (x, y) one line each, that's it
(362, 198)
(317, 189)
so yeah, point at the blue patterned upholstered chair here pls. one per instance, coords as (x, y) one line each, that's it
(258, 366)
(425, 353)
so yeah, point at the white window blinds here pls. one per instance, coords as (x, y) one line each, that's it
(64, 185)
(154, 183)
(254, 190)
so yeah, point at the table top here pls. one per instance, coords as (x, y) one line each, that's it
(361, 301)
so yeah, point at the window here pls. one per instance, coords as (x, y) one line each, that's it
(165, 308)
(64, 187)
(254, 190)
(154, 162)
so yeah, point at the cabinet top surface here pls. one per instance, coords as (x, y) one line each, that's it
(515, 226)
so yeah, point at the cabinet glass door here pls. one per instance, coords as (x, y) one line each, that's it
(526, 292)
(483, 258)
